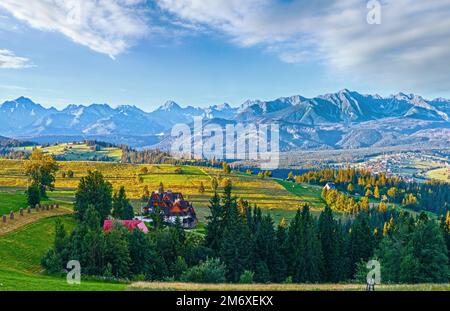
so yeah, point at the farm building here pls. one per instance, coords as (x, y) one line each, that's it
(172, 205)
(329, 186)
(129, 224)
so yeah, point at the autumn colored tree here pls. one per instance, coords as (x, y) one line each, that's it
(161, 187)
(226, 167)
(350, 188)
(392, 192)
(214, 184)
(291, 176)
(201, 188)
(41, 169)
(376, 193)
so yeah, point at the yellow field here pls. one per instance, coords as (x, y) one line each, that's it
(77, 151)
(440, 174)
(266, 193)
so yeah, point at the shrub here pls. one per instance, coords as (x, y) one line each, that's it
(52, 262)
(33, 195)
(246, 277)
(209, 271)
(288, 280)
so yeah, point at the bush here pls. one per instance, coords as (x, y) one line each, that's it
(288, 280)
(209, 271)
(361, 272)
(246, 277)
(52, 262)
(33, 195)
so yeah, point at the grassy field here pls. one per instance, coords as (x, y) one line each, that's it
(78, 151)
(13, 199)
(440, 174)
(21, 252)
(310, 194)
(179, 286)
(268, 194)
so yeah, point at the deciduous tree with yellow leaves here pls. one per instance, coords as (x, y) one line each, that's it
(41, 169)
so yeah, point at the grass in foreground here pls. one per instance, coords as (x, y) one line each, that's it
(20, 255)
(14, 200)
(179, 286)
(22, 250)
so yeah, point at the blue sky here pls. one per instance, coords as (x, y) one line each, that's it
(200, 53)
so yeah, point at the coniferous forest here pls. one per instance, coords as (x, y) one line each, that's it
(240, 244)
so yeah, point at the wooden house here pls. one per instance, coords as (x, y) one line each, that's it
(172, 205)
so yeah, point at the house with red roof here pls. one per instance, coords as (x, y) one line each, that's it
(131, 225)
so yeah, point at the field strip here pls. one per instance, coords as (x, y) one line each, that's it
(179, 286)
(21, 221)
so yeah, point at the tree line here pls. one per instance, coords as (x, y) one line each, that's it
(433, 195)
(241, 244)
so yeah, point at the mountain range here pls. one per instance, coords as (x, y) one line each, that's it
(345, 119)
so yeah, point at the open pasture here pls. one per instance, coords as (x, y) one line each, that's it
(442, 174)
(270, 195)
(78, 151)
(21, 252)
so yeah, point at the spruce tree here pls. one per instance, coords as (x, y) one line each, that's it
(360, 243)
(142, 255)
(329, 234)
(279, 273)
(235, 242)
(445, 228)
(427, 247)
(122, 208)
(89, 242)
(215, 224)
(117, 253)
(265, 252)
(305, 259)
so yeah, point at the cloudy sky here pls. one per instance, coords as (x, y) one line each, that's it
(202, 52)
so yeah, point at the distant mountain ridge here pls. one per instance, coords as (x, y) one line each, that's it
(345, 119)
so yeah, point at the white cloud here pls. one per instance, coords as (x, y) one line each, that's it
(410, 47)
(105, 26)
(9, 60)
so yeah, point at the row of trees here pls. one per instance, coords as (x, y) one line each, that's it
(433, 195)
(149, 156)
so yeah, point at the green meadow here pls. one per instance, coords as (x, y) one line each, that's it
(20, 256)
